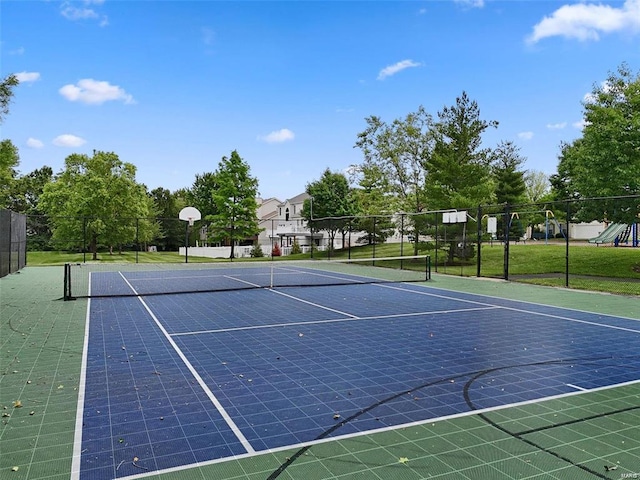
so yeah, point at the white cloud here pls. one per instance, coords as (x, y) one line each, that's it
(94, 92)
(525, 135)
(25, 77)
(34, 143)
(586, 21)
(580, 124)
(73, 13)
(278, 136)
(17, 51)
(470, 3)
(68, 140)
(556, 126)
(396, 67)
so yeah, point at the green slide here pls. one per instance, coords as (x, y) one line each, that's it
(609, 234)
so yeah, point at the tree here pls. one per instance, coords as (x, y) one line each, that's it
(97, 198)
(399, 153)
(6, 94)
(509, 180)
(25, 198)
(200, 195)
(9, 160)
(459, 171)
(235, 202)
(510, 187)
(537, 186)
(331, 197)
(605, 161)
(375, 205)
(167, 206)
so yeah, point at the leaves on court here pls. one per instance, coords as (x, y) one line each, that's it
(17, 404)
(403, 460)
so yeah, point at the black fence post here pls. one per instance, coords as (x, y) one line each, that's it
(137, 238)
(401, 238)
(479, 260)
(349, 248)
(507, 224)
(84, 239)
(436, 242)
(374, 238)
(566, 239)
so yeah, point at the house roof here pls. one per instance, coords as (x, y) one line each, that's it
(297, 199)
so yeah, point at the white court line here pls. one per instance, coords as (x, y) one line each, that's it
(313, 304)
(330, 320)
(521, 310)
(375, 431)
(577, 387)
(494, 297)
(77, 440)
(232, 425)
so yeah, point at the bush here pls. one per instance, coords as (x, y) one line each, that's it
(256, 251)
(275, 251)
(295, 248)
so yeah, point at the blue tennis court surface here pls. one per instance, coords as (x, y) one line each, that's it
(180, 379)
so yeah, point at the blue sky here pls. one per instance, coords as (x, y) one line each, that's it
(172, 86)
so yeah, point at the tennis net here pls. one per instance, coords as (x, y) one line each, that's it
(84, 280)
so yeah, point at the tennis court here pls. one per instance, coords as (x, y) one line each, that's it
(357, 379)
(177, 380)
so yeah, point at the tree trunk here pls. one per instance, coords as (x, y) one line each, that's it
(93, 247)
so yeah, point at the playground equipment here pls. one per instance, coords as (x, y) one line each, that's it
(618, 233)
(550, 217)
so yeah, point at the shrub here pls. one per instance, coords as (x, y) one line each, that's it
(256, 251)
(295, 248)
(275, 252)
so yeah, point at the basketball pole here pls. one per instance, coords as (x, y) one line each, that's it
(186, 242)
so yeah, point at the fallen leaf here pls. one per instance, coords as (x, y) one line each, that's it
(15, 469)
(403, 460)
(17, 404)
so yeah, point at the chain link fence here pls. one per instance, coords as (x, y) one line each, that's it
(590, 244)
(13, 242)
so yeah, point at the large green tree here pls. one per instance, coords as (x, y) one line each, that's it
(235, 216)
(331, 205)
(374, 202)
(400, 152)
(25, 198)
(98, 198)
(605, 160)
(167, 206)
(9, 160)
(510, 187)
(200, 195)
(459, 171)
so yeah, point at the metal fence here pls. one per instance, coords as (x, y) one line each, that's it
(588, 244)
(13, 242)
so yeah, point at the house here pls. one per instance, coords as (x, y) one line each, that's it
(281, 223)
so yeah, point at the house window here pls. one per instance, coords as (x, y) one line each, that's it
(294, 209)
(286, 214)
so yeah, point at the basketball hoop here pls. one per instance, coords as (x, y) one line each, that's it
(190, 215)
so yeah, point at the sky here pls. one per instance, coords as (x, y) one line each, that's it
(173, 86)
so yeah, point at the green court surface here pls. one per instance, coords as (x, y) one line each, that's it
(590, 434)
